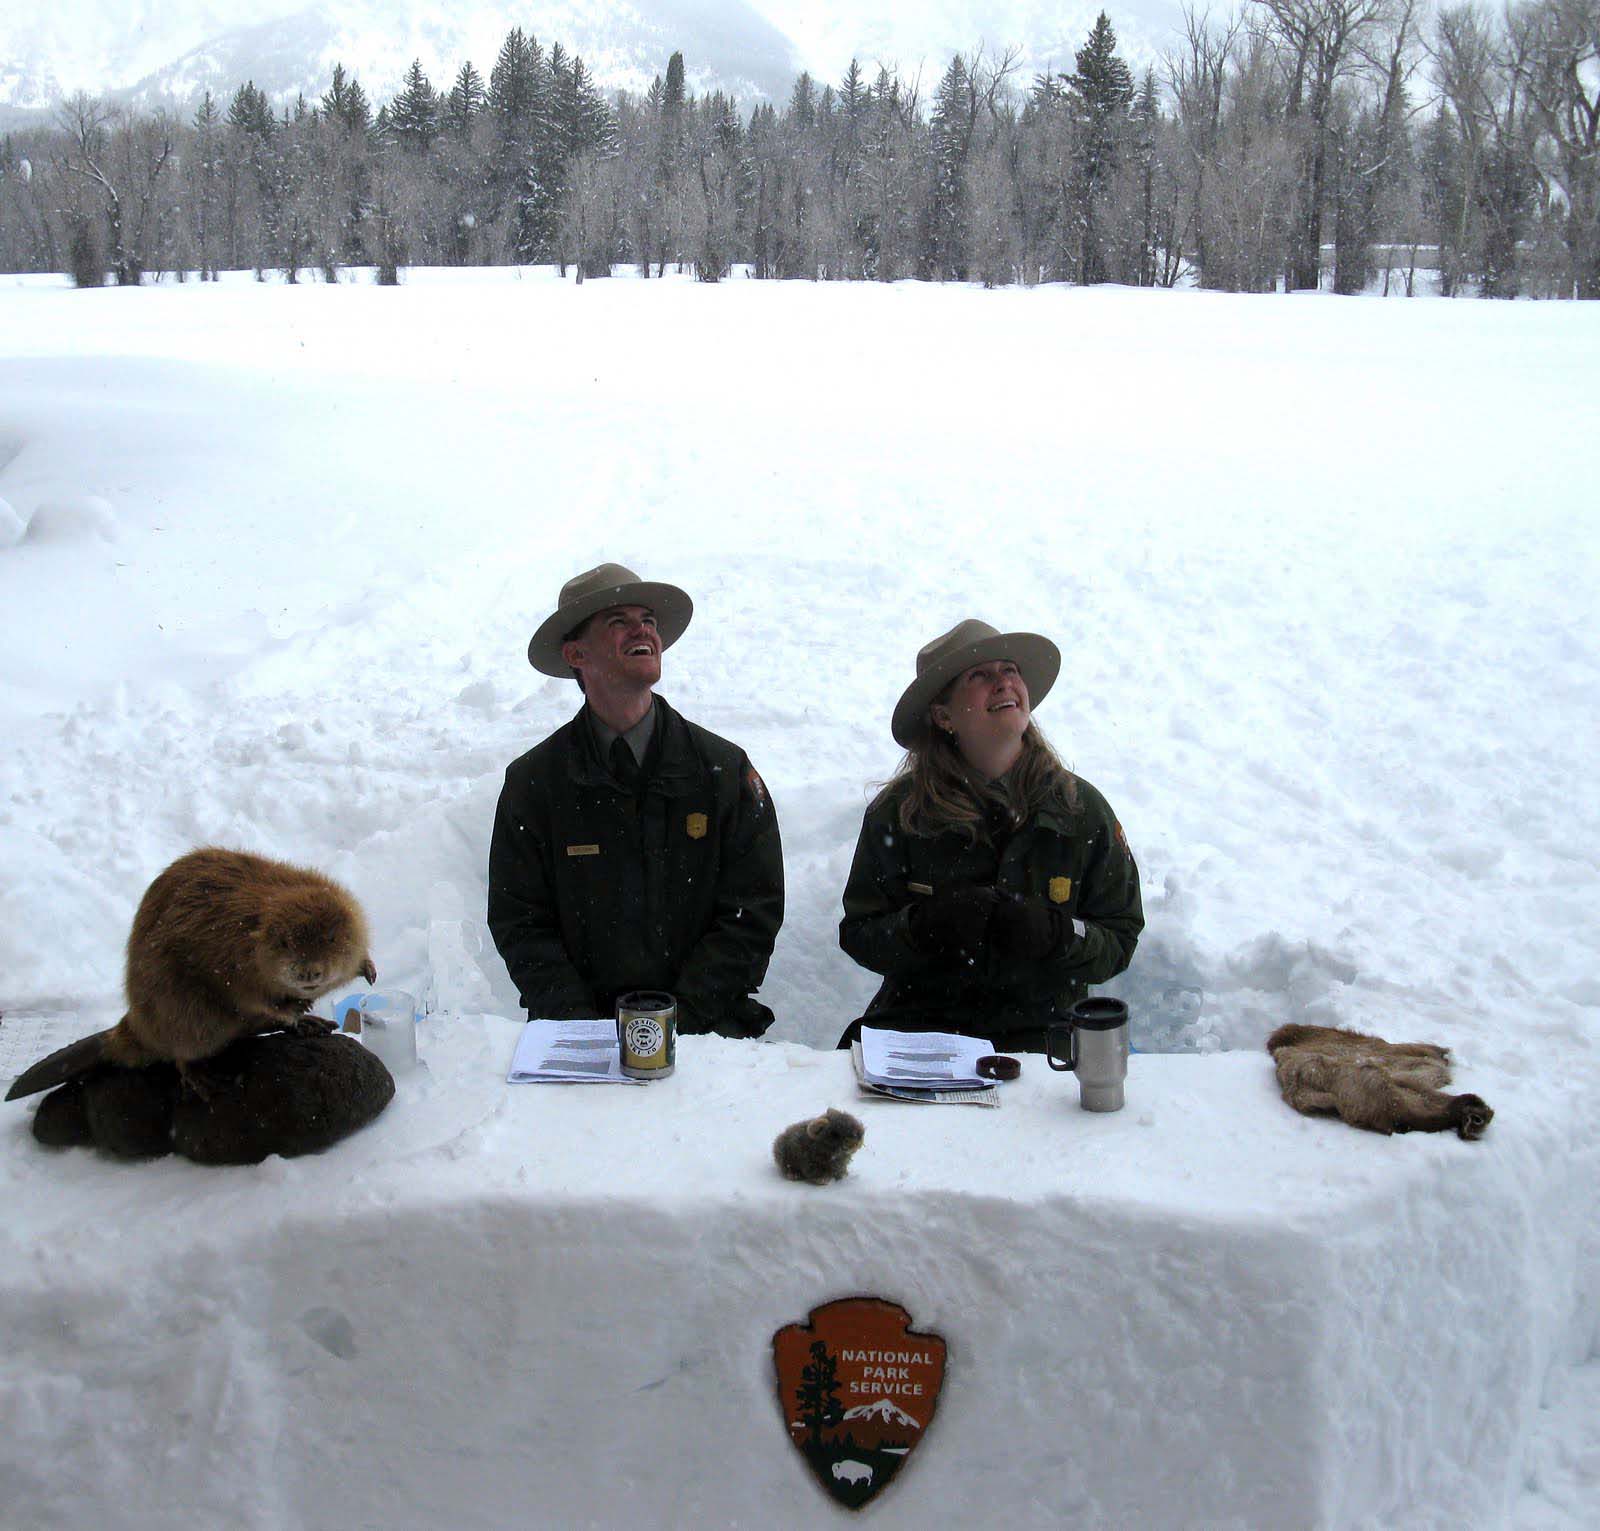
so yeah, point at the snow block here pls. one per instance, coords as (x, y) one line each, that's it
(508, 1302)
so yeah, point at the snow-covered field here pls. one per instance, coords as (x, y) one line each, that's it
(1323, 572)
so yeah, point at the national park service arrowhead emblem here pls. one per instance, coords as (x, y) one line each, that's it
(857, 1386)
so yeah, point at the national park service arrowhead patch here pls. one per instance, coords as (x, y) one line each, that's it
(857, 1386)
(757, 789)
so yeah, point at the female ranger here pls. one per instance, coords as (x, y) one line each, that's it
(990, 885)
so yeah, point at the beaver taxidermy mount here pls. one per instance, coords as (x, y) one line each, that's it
(224, 944)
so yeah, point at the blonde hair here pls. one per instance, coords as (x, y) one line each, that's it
(942, 792)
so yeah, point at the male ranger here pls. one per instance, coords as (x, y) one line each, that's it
(632, 849)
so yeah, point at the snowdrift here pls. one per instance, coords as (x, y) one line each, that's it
(1323, 572)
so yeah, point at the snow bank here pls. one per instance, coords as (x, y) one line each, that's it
(1323, 573)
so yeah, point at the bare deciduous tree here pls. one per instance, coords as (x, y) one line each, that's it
(1319, 42)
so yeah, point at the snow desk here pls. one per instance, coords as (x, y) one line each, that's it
(554, 1306)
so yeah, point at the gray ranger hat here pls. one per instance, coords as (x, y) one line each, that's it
(966, 644)
(595, 590)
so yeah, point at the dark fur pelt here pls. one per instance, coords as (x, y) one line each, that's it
(275, 1094)
(1381, 1086)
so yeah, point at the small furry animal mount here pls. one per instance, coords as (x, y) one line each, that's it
(1381, 1086)
(818, 1150)
(224, 944)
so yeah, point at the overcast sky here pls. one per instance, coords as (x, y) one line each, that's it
(995, 19)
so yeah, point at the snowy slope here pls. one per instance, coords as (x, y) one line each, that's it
(1323, 571)
(827, 34)
(49, 51)
(168, 56)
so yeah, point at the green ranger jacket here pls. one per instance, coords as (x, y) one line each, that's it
(1076, 857)
(596, 888)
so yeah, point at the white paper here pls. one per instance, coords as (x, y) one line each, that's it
(568, 1052)
(953, 1095)
(923, 1060)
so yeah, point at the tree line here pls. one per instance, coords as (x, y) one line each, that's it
(1291, 144)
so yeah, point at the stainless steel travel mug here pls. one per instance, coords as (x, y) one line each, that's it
(1093, 1043)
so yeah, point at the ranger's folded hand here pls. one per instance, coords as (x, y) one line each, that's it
(1031, 928)
(954, 922)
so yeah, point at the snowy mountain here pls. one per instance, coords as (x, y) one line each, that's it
(878, 1424)
(827, 34)
(872, 1424)
(882, 1411)
(168, 54)
(100, 45)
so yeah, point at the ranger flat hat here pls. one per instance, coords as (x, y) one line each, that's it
(595, 590)
(966, 644)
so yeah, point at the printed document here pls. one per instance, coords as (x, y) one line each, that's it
(935, 1067)
(926, 1060)
(568, 1052)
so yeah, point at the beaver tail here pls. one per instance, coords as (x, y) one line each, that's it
(63, 1064)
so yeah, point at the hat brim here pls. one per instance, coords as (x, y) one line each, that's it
(1034, 655)
(672, 608)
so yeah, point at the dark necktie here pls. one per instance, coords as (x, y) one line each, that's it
(623, 766)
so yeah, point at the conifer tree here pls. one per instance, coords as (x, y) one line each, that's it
(576, 121)
(660, 216)
(818, 1394)
(675, 83)
(545, 149)
(674, 103)
(345, 102)
(588, 125)
(1102, 78)
(513, 82)
(249, 111)
(955, 112)
(889, 182)
(465, 102)
(1102, 92)
(803, 104)
(204, 172)
(854, 98)
(414, 113)
(520, 159)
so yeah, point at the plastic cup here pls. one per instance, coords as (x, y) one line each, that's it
(389, 1029)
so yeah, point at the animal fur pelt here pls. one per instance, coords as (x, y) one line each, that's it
(285, 1095)
(1382, 1086)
